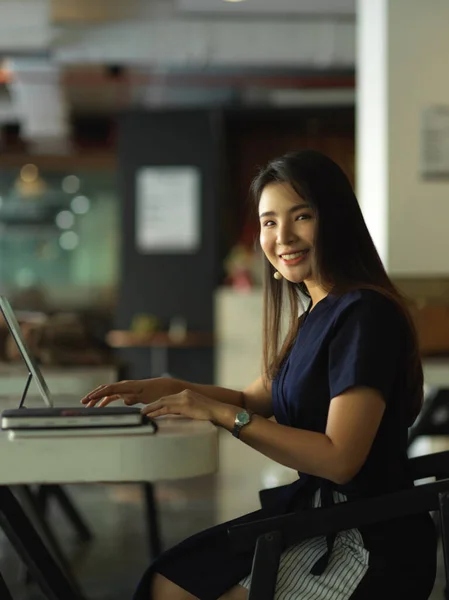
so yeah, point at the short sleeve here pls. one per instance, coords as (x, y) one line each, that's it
(366, 346)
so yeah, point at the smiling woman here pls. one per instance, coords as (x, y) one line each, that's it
(342, 256)
(343, 386)
(287, 231)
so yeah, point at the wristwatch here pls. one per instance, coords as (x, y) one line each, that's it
(242, 418)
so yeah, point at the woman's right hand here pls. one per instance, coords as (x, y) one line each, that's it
(131, 392)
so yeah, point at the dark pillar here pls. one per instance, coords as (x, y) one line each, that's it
(168, 284)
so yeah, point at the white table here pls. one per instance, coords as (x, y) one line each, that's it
(436, 372)
(180, 449)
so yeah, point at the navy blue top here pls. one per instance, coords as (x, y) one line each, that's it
(360, 338)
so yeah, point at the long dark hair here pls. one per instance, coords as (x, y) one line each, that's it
(344, 258)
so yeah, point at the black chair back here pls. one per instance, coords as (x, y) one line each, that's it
(270, 536)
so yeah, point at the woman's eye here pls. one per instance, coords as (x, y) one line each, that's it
(268, 223)
(302, 217)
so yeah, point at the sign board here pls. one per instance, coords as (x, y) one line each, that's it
(168, 207)
(435, 142)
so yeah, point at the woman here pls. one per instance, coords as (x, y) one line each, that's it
(344, 386)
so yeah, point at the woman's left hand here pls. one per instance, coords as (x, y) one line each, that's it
(192, 405)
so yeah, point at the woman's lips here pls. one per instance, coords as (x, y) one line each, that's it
(296, 260)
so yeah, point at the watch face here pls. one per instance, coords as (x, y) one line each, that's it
(243, 417)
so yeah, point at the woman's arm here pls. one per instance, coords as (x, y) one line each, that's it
(338, 454)
(255, 397)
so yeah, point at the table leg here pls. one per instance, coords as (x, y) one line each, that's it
(5, 594)
(37, 516)
(18, 528)
(152, 520)
(66, 504)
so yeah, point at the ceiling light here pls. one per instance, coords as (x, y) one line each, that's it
(233, 0)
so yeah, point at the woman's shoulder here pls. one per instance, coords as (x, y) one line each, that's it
(369, 303)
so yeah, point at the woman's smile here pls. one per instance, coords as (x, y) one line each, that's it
(294, 258)
(287, 231)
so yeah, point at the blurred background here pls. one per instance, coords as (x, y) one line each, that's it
(129, 135)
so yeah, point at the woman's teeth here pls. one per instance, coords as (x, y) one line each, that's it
(294, 255)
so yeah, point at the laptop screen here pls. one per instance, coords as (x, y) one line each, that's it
(16, 333)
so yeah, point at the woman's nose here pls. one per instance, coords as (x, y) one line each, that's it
(284, 235)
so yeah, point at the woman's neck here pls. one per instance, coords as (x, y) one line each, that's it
(316, 293)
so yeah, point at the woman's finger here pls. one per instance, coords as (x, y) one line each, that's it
(103, 401)
(108, 399)
(131, 399)
(160, 413)
(167, 405)
(128, 399)
(92, 393)
(120, 388)
(90, 403)
(161, 407)
(151, 407)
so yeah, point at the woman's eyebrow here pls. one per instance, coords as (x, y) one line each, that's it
(294, 208)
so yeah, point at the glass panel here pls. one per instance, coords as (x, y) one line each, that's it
(59, 236)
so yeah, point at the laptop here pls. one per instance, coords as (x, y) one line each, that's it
(53, 417)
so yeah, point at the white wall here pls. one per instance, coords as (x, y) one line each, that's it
(408, 216)
(418, 63)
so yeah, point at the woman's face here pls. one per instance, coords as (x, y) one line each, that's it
(287, 231)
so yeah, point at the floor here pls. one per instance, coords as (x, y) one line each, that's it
(110, 567)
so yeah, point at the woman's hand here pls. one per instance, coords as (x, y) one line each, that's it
(158, 393)
(131, 392)
(194, 406)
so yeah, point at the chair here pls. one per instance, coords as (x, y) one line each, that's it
(434, 416)
(270, 536)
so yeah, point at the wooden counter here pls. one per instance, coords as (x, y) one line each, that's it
(158, 339)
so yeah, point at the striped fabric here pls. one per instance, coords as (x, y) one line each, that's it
(347, 566)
